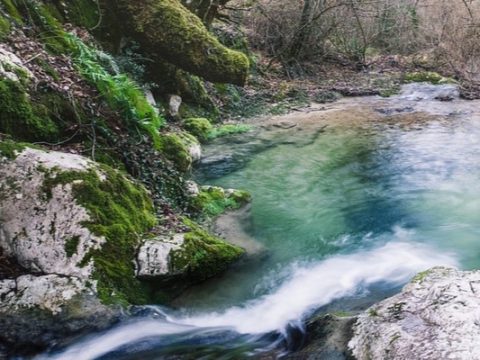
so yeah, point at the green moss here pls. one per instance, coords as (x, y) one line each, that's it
(19, 118)
(213, 201)
(10, 149)
(120, 211)
(4, 27)
(228, 129)
(71, 246)
(82, 13)
(170, 31)
(49, 29)
(203, 255)
(421, 276)
(175, 147)
(199, 127)
(427, 76)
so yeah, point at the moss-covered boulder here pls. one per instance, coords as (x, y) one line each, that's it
(213, 200)
(168, 30)
(194, 255)
(199, 127)
(66, 215)
(181, 148)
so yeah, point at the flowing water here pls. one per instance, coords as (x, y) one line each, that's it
(349, 202)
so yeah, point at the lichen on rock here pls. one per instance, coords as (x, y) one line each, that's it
(434, 317)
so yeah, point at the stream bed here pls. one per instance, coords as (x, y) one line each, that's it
(350, 201)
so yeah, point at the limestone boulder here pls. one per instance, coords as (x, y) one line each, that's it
(436, 316)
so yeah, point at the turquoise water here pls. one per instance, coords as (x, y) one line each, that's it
(346, 218)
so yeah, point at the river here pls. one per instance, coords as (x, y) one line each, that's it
(350, 201)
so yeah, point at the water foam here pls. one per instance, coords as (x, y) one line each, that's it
(311, 287)
(114, 339)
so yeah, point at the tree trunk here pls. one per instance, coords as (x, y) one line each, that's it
(303, 31)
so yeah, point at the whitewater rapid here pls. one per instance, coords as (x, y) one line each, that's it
(308, 288)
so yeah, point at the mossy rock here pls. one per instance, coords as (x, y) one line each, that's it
(10, 149)
(199, 127)
(168, 30)
(176, 147)
(203, 255)
(120, 211)
(20, 118)
(213, 200)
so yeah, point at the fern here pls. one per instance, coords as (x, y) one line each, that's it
(118, 90)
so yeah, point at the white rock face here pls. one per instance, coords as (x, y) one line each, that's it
(154, 256)
(436, 316)
(11, 65)
(151, 100)
(35, 229)
(192, 188)
(174, 103)
(47, 292)
(195, 151)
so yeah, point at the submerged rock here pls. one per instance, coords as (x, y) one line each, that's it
(436, 316)
(326, 337)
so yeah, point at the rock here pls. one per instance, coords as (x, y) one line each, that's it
(46, 292)
(326, 337)
(182, 149)
(199, 127)
(34, 230)
(151, 100)
(61, 215)
(11, 67)
(192, 188)
(174, 103)
(154, 257)
(166, 30)
(436, 316)
(25, 332)
(194, 254)
(195, 151)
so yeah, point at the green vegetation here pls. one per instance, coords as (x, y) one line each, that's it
(10, 149)
(175, 147)
(199, 127)
(118, 90)
(120, 211)
(427, 76)
(203, 255)
(228, 129)
(213, 201)
(421, 276)
(169, 31)
(20, 118)
(71, 246)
